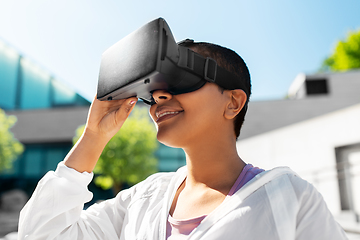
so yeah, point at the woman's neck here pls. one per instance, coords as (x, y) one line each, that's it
(212, 171)
(214, 164)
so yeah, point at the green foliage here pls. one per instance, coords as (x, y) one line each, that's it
(346, 54)
(129, 157)
(10, 148)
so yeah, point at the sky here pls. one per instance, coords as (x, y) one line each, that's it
(278, 39)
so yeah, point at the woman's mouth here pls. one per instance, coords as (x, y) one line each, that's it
(162, 116)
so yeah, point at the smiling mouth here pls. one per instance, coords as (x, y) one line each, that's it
(166, 115)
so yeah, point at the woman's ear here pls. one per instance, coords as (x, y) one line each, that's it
(237, 100)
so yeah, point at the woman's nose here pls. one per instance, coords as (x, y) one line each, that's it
(161, 96)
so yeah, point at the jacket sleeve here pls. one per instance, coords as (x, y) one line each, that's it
(314, 220)
(55, 210)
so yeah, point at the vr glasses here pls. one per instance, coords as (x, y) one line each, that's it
(149, 59)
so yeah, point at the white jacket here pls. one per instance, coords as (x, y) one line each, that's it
(275, 204)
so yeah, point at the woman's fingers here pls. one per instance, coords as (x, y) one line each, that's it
(107, 117)
(125, 109)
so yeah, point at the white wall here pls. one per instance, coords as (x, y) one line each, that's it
(308, 148)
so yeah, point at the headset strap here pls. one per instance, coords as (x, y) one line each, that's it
(208, 69)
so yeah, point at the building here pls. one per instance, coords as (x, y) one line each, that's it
(316, 132)
(47, 114)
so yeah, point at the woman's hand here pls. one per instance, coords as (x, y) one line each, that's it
(106, 117)
(104, 121)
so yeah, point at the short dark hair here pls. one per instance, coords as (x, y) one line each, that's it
(231, 61)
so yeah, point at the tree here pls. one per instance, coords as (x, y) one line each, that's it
(129, 157)
(10, 148)
(346, 54)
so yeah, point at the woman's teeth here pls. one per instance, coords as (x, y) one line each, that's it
(164, 113)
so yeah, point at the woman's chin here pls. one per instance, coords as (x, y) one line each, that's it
(170, 141)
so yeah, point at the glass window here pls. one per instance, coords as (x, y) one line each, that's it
(16, 168)
(14, 171)
(317, 86)
(80, 101)
(170, 159)
(33, 158)
(35, 86)
(168, 165)
(62, 94)
(9, 61)
(54, 155)
(38, 159)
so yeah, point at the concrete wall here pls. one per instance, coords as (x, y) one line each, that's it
(48, 125)
(264, 116)
(308, 147)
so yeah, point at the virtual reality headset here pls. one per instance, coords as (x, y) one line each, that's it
(149, 59)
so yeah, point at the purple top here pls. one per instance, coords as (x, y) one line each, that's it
(180, 229)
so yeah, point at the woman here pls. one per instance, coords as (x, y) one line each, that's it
(215, 196)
